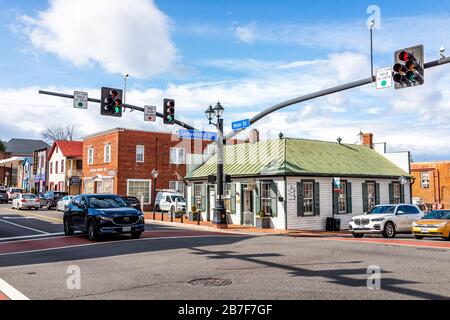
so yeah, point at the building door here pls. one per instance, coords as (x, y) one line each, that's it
(248, 214)
(212, 202)
(99, 187)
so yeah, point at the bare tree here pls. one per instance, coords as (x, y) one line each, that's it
(59, 133)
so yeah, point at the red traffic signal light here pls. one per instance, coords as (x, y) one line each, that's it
(169, 111)
(409, 67)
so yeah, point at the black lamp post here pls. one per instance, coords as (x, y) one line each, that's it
(220, 216)
(155, 174)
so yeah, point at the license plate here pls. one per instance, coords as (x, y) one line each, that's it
(425, 231)
(126, 229)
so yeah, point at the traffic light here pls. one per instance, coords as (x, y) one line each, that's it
(111, 102)
(169, 111)
(409, 67)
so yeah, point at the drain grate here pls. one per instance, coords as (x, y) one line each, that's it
(210, 282)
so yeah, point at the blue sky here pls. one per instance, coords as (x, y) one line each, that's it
(247, 54)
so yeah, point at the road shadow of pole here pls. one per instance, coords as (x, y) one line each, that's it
(338, 276)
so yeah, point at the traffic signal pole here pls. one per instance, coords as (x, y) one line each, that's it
(323, 93)
(69, 96)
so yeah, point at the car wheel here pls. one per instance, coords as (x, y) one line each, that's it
(68, 231)
(136, 235)
(418, 237)
(389, 230)
(358, 235)
(92, 231)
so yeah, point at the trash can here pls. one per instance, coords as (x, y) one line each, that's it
(337, 225)
(330, 224)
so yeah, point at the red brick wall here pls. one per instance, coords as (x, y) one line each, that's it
(439, 189)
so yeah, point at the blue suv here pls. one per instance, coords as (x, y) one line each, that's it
(102, 215)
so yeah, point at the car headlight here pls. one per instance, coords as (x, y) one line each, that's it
(378, 220)
(441, 225)
(415, 224)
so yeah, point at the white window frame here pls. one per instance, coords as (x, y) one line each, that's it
(308, 201)
(425, 179)
(177, 186)
(342, 198)
(176, 159)
(91, 156)
(107, 153)
(139, 148)
(141, 180)
(397, 192)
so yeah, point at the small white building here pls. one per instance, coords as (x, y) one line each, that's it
(299, 183)
(65, 161)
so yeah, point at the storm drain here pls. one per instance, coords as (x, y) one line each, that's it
(210, 282)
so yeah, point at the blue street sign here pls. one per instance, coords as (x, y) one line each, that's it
(238, 125)
(195, 134)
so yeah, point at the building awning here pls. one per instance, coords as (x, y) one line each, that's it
(15, 162)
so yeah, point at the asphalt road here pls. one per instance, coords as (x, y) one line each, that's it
(173, 263)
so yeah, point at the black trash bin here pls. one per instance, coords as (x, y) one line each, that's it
(330, 224)
(337, 225)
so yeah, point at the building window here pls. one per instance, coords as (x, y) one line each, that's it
(397, 193)
(56, 167)
(178, 186)
(107, 153)
(51, 167)
(177, 156)
(227, 197)
(342, 198)
(198, 188)
(136, 188)
(425, 180)
(89, 186)
(79, 164)
(140, 150)
(62, 166)
(108, 186)
(371, 195)
(265, 198)
(90, 156)
(308, 198)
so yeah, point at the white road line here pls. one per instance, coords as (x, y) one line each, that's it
(49, 235)
(28, 228)
(11, 292)
(109, 242)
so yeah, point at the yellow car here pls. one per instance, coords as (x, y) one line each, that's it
(434, 224)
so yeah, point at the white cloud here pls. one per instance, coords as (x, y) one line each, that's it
(121, 35)
(246, 33)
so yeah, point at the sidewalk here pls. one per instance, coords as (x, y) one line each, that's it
(238, 229)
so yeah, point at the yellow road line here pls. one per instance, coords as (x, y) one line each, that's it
(50, 219)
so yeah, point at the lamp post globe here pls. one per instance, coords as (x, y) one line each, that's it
(218, 109)
(209, 113)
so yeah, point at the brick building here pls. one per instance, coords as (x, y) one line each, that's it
(432, 183)
(120, 161)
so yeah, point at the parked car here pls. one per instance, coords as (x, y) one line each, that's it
(2, 188)
(170, 201)
(26, 200)
(387, 220)
(3, 196)
(13, 192)
(61, 205)
(42, 200)
(102, 215)
(434, 224)
(132, 202)
(52, 198)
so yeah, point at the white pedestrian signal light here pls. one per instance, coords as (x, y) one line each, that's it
(111, 102)
(169, 111)
(409, 67)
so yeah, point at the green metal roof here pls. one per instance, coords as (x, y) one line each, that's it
(300, 157)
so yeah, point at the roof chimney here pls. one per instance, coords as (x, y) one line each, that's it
(253, 136)
(367, 140)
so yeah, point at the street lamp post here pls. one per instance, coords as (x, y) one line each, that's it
(155, 174)
(220, 217)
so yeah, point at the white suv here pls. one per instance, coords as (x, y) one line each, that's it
(387, 220)
(170, 201)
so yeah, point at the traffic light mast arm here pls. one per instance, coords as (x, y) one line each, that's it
(129, 106)
(323, 93)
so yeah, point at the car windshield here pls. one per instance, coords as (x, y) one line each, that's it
(438, 214)
(29, 196)
(382, 210)
(178, 199)
(106, 202)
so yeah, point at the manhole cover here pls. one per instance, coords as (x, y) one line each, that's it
(210, 282)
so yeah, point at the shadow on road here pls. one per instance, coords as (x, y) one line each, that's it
(336, 276)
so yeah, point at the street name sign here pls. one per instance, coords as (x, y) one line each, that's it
(80, 100)
(196, 134)
(150, 113)
(239, 125)
(384, 78)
